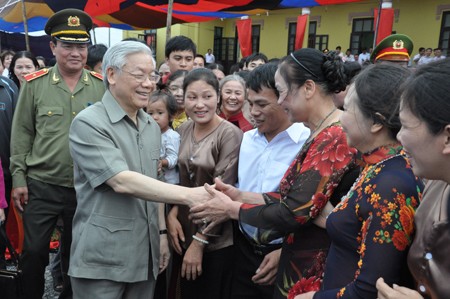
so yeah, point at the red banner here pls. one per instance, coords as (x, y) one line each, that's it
(244, 28)
(385, 24)
(302, 20)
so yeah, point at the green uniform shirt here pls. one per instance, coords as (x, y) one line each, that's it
(40, 130)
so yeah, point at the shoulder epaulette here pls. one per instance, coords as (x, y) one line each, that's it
(96, 75)
(36, 74)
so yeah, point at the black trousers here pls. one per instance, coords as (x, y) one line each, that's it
(46, 202)
(246, 262)
(215, 281)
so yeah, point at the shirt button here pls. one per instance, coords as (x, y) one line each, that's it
(72, 97)
(74, 113)
(50, 113)
(428, 256)
(422, 288)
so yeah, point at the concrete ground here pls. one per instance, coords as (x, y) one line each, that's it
(49, 292)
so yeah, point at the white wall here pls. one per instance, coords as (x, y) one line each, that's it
(106, 36)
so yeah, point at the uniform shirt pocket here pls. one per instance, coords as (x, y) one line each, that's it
(50, 119)
(107, 240)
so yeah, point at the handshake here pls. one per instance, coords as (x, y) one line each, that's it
(223, 204)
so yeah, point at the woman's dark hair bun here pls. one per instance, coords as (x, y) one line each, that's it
(334, 72)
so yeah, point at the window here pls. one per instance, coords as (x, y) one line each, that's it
(150, 39)
(444, 38)
(256, 33)
(312, 34)
(218, 34)
(362, 35)
(317, 41)
(291, 37)
(321, 42)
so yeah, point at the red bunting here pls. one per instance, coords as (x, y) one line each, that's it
(244, 28)
(385, 24)
(302, 20)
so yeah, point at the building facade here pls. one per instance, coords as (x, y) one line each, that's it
(350, 26)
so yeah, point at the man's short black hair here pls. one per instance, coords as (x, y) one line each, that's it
(256, 56)
(180, 43)
(95, 54)
(263, 76)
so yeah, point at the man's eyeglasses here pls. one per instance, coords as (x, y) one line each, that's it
(140, 78)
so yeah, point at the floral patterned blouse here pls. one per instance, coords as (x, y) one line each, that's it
(305, 189)
(372, 228)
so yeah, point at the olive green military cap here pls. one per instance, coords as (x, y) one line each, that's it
(70, 26)
(395, 47)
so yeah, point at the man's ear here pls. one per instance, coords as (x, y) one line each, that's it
(112, 75)
(446, 149)
(52, 47)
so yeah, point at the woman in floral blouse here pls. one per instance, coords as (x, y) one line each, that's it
(425, 134)
(372, 227)
(306, 81)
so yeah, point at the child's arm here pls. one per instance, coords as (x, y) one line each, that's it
(172, 147)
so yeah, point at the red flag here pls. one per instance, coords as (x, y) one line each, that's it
(302, 20)
(385, 24)
(244, 28)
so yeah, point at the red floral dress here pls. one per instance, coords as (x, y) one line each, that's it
(306, 187)
(372, 228)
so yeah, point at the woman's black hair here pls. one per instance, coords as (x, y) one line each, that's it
(167, 98)
(202, 74)
(4, 54)
(214, 66)
(172, 77)
(177, 74)
(427, 94)
(378, 88)
(18, 55)
(326, 70)
(351, 69)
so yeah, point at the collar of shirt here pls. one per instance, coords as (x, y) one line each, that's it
(56, 77)
(297, 132)
(116, 113)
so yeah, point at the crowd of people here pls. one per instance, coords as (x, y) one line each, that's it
(316, 175)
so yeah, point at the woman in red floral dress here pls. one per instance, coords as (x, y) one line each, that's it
(372, 227)
(306, 81)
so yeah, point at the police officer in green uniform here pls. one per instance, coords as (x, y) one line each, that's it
(41, 165)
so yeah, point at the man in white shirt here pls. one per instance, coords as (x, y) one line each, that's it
(364, 56)
(265, 155)
(438, 54)
(427, 57)
(419, 55)
(348, 57)
(209, 57)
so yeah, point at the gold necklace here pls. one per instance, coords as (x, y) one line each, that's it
(321, 123)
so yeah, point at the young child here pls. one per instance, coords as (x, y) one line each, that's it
(162, 107)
